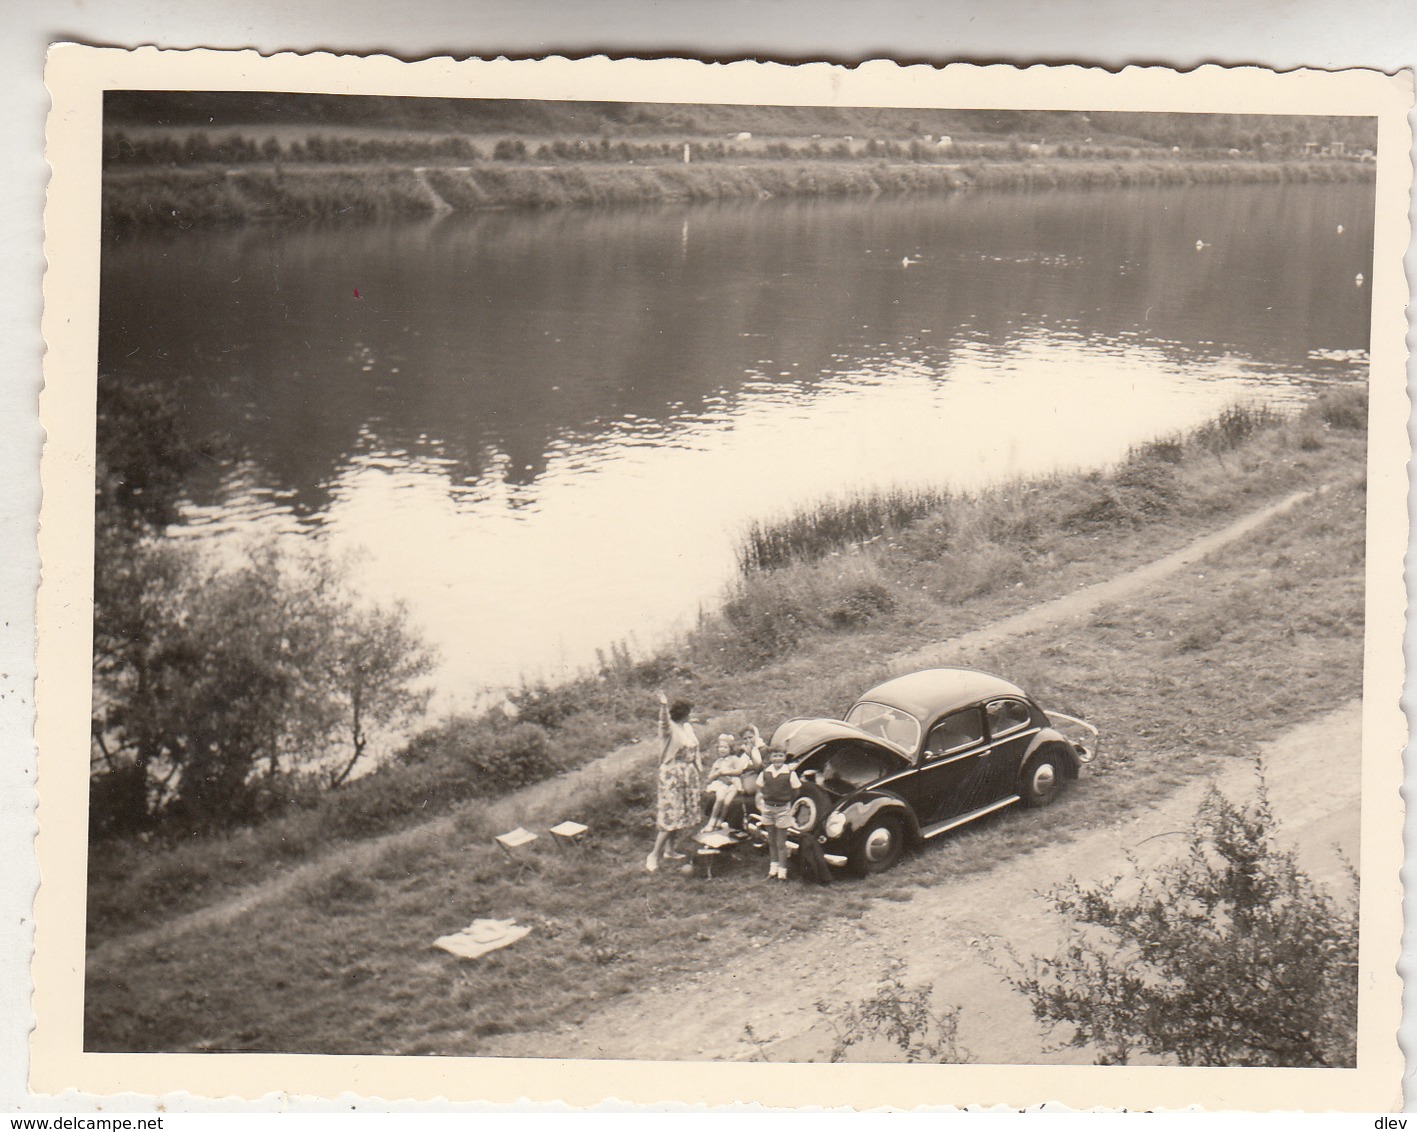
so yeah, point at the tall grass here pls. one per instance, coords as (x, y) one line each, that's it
(1142, 485)
(830, 525)
(874, 553)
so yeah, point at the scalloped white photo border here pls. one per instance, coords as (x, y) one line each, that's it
(77, 76)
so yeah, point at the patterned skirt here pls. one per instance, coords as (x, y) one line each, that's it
(679, 790)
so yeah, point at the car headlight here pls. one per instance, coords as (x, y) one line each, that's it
(835, 825)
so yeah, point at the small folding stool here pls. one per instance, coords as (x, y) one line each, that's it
(569, 833)
(711, 847)
(704, 860)
(513, 845)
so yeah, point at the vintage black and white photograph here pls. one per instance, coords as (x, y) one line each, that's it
(685, 579)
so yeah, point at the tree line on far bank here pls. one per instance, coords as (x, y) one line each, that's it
(545, 117)
(144, 148)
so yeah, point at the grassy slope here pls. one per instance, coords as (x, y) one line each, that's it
(1266, 633)
(975, 559)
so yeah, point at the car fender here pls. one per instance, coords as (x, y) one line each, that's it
(1047, 737)
(863, 808)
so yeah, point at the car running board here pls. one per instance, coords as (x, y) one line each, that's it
(945, 826)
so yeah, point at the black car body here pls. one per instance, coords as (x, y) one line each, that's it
(923, 754)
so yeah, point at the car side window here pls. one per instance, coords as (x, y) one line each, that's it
(1006, 716)
(956, 733)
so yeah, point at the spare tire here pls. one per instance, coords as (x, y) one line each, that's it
(810, 808)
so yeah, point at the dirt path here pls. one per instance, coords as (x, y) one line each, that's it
(1312, 773)
(550, 799)
(1084, 602)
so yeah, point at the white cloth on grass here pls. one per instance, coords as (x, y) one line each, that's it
(480, 937)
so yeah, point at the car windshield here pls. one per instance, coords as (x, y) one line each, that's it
(891, 724)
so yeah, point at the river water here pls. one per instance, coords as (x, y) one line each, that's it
(544, 431)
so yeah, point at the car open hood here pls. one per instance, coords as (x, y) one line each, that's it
(799, 736)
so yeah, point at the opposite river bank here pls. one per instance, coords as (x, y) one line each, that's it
(217, 194)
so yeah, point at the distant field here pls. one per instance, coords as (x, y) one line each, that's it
(259, 112)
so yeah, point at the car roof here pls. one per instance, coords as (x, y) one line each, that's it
(935, 690)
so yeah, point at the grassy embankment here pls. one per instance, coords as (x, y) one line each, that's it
(184, 196)
(1265, 633)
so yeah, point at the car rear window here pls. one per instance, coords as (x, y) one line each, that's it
(1007, 715)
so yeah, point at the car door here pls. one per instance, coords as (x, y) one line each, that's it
(950, 778)
(1011, 726)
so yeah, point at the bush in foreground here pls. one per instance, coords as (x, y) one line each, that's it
(900, 1014)
(1230, 955)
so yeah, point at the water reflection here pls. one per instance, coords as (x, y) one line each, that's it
(544, 428)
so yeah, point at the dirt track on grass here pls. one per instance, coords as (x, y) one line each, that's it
(546, 800)
(1312, 775)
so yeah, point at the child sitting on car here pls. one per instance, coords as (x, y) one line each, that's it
(726, 777)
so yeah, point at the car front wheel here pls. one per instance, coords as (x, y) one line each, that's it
(881, 845)
(1042, 780)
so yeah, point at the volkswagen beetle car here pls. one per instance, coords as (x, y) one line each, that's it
(923, 754)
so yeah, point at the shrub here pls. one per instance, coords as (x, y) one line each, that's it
(1146, 488)
(1345, 408)
(1166, 449)
(1095, 504)
(548, 706)
(1230, 955)
(981, 568)
(900, 1014)
(454, 762)
(476, 758)
(513, 758)
(768, 615)
(860, 603)
(765, 619)
(1234, 425)
(118, 802)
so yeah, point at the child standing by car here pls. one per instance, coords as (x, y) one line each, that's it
(777, 786)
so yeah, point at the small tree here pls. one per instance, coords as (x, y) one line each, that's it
(215, 682)
(898, 1013)
(1230, 955)
(372, 664)
(219, 682)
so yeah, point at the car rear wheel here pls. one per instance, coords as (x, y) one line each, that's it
(881, 845)
(1042, 779)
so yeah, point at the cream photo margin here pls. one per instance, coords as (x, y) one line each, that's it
(77, 77)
